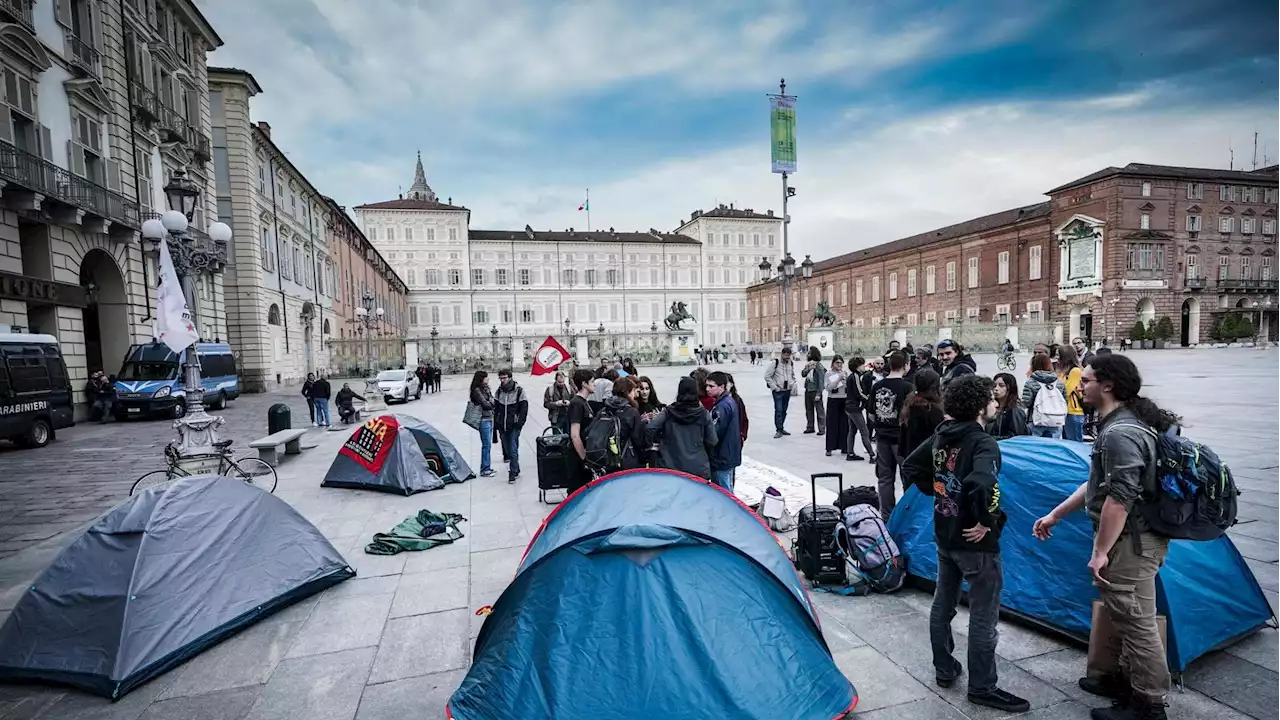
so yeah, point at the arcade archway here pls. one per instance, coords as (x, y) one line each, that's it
(106, 318)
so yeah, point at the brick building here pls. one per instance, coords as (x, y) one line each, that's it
(1107, 249)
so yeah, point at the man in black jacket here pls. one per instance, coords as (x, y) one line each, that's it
(960, 468)
(955, 361)
(510, 410)
(320, 392)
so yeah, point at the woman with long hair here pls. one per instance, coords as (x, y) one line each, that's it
(621, 404)
(649, 406)
(1069, 372)
(700, 374)
(856, 403)
(1008, 419)
(921, 413)
(836, 383)
(1042, 375)
(482, 397)
(743, 422)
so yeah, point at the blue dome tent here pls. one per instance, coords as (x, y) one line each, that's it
(1205, 590)
(646, 594)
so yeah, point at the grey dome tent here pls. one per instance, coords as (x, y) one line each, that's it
(160, 578)
(397, 454)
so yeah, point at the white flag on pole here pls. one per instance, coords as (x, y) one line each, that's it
(173, 317)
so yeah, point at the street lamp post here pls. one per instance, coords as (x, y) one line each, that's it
(367, 320)
(197, 430)
(786, 271)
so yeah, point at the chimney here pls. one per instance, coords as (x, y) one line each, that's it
(265, 128)
(769, 213)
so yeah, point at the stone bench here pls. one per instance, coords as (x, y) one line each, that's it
(270, 446)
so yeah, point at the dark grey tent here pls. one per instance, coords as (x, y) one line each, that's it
(160, 578)
(397, 454)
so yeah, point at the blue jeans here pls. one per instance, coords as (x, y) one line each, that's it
(322, 411)
(780, 402)
(1074, 429)
(511, 448)
(723, 478)
(486, 444)
(1045, 431)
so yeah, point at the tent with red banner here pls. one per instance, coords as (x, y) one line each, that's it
(397, 454)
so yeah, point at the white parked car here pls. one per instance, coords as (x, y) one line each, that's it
(399, 385)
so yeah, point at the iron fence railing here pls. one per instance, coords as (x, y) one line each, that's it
(39, 175)
(83, 55)
(1246, 284)
(146, 104)
(19, 11)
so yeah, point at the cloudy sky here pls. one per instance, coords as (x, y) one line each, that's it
(911, 115)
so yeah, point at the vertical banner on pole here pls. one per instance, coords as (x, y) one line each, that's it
(782, 131)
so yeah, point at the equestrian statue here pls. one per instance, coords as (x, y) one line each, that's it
(679, 313)
(823, 315)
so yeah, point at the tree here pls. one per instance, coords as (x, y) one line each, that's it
(1164, 328)
(1139, 332)
(1243, 328)
(1228, 328)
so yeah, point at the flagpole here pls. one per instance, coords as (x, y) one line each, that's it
(588, 204)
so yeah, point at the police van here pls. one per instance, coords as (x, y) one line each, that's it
(150, 382)
(35, 391)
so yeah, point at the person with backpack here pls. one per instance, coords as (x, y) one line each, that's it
(855, 407)
(744, 422)
(1045, 398)
(921, 413)
(780, 378)
(556, 400)
(616, 435)
(306, 393)
(1123, 496)
(482, 398)
(960, 469)
(685, 435)
(727, 455)
(510, 410)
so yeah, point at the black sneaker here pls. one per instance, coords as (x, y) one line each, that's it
(871, 458)
(808, 431)
(1000, 700)
(854, 456)
(1107, 686)
(784, 432)
(777, 435)
(1130, 709)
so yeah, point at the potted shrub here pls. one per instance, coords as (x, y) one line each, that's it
(1138, 334)
(1243, 329)
(1164, 331)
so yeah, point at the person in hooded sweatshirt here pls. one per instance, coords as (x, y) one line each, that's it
(685, 435)
(955, 361)
(621, 404)
(960, 468)
(1042, 374)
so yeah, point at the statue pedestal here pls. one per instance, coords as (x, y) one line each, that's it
(517, 354)
(580, 351)
(824, 339)
(681, 346)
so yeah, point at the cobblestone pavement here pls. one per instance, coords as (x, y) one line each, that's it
(395, 641)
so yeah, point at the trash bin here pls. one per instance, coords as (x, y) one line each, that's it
(278, 418)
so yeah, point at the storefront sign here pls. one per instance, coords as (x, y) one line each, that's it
(41, 292)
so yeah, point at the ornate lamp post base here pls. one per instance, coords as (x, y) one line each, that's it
(197, 429)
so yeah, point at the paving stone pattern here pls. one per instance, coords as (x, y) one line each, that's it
(396, 641)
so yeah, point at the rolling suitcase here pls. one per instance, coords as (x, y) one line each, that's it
(557, 462)
(814, 549)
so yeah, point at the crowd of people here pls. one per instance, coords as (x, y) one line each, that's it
(616, 421)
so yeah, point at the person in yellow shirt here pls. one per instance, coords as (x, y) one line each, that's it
(1070, 372)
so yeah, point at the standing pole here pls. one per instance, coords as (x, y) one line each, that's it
(587, 205)
(786, 220)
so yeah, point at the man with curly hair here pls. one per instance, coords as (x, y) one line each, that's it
(959, 467)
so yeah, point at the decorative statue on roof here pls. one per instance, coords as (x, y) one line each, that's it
(679, 313)
(822, 315)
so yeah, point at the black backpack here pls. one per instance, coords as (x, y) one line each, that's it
(1195, 495)
(604, 442)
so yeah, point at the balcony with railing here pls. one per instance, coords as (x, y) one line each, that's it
(22, 170)
(18, 11)
(82, 54)
(175, 126)
(146, 104)
(1193, 282)
(1247, 285)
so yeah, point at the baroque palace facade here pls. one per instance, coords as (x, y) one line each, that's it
(466, 282)
(1121, 245)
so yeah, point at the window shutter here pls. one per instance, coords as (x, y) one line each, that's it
(26, 96)
(193, 109)
(62, 12)
(113, 175)
(46, 142)
(76, 156)
(94, 129)
(11, 87)
(6, 127)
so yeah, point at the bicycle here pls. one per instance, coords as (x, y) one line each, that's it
(250, 469)
(1006, 361)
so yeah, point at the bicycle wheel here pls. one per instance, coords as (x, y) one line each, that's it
(151, 479)
(253, 471)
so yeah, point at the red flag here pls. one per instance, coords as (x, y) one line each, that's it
(549, 357)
